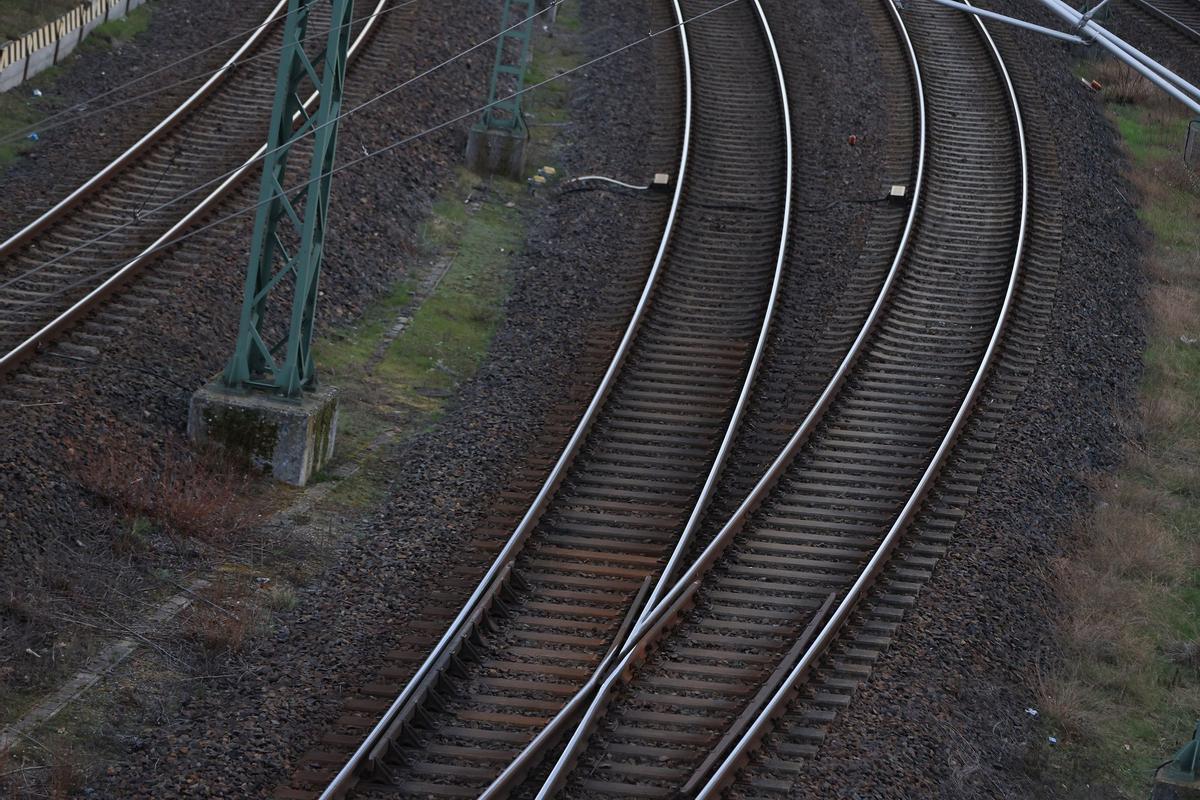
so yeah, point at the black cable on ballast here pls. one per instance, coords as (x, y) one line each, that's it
(219, 178)
(385, 149)
(39, 127)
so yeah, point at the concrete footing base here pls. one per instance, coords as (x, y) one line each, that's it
(293, 438)
(1167, 789)
(497, 152)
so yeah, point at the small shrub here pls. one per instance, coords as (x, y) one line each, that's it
(179, 492)
(223, 620)
(281, 598)
(133, 538)
(1123, 84)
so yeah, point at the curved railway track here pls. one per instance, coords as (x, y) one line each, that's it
(640, 464)
(774, 588)
(1183, 16)
(63, 265)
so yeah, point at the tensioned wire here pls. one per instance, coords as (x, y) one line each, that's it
(40, 126)
(142, 214)
(388, 148)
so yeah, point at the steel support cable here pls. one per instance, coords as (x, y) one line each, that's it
(670, 602)
(40, 127)
(263, 152)
(125, 269)
(879, 559)
(1173, 84)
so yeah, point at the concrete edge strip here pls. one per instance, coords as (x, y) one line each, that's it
(96, 668)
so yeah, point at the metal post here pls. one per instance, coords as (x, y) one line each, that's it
(1154, 72)
(1020, 23)
(508, 71)
(281, 253)
(1087, 30)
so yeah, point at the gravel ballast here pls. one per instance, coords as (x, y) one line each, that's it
(943, 714)
(944, 711)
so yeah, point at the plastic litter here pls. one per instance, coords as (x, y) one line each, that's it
(1031, 712)
(33, 137)
(1052, 739)
(37, 92)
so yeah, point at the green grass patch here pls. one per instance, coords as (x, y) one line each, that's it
(19, 17)
(20, 110)
(399, 386)
(1128, 693)
(402, 382)
(119, 31)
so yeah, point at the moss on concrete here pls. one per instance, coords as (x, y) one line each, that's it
(242, 430)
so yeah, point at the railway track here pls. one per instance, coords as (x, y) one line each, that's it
(71, 259)
(639, 467)
(618, 617)
(774, 589)
(670, 691)
(1182, 16)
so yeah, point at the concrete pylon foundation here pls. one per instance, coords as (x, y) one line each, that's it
(294, 439)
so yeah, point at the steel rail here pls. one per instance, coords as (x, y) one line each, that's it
(726, 772)
(710, 484)
(141, 145)
(760, 491)
(658, 617)
(535, 750)
(110, 285)
(375, 744)
(1163, 16)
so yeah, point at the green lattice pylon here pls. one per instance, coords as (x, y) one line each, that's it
(279, 258)
(503, 111)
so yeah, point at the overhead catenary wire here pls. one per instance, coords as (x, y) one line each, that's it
(156, 71)
(116, 266)
(142, 214)
(41, 126)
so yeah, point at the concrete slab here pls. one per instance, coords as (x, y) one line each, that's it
(293, 438)
(493, 152)
(1167, 788)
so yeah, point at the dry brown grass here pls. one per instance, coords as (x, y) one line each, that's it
(1175, 310)
(1120, 83)
(1169, 414)
(225, 619)
(180, 492)
(65, 775)
(1130, 544)
(1065, 697)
